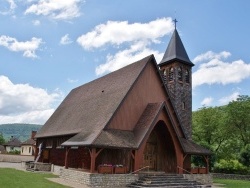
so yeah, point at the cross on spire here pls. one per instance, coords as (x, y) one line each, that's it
(175, 21)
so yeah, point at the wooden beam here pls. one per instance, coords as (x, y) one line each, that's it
(66, 164)
(137, 159)
(93, 157)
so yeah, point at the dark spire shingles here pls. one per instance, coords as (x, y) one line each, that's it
(175, 51)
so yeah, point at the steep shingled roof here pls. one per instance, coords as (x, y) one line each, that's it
(175, 51)
(88, 108)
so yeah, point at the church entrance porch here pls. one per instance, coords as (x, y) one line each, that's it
(159, 153)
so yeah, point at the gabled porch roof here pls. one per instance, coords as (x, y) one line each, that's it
(112, 138)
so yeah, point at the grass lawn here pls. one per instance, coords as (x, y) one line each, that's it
(12, 178)
(233, 183)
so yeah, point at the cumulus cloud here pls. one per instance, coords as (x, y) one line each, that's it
(65, 40)
(11, 6)
(217, 71)
(227, 99)
(22, 103)
(211, 55)
(115, 32)
(57, 10)
(125, 57)
(28, 47)
(207, 101)
(138, 36)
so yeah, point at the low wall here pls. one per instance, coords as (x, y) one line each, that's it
(97, 180)
(15, 158)
(202, 178)
(231, 176)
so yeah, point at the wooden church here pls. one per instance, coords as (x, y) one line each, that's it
(138, 116)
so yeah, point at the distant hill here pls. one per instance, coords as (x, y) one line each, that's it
(18, 130)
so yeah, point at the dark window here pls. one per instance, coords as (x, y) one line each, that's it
(187, 76)
(59, 142)
(49, 143)
(183, 106)
(29, 149)
(171, 74)
(179, 73)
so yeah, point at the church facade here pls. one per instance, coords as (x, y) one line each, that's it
(136, 117)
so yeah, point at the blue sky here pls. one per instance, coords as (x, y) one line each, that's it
(48, 47)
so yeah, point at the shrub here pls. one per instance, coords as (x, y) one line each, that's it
(14, 152)
(230, 167)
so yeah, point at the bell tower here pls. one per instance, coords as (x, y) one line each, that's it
(176, 70)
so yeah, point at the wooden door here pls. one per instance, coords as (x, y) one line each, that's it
(150, 156)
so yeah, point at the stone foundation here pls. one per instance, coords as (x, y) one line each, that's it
(202, 178)
(231, 176)
(94, 179)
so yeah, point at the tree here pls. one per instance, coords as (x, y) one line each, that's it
(2, 141)
(209, 127)
(245, 156)
(239, 117)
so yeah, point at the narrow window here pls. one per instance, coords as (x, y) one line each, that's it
(183, 106)
(187, 76)
(29, 149)
(171, 74)
(179, 74)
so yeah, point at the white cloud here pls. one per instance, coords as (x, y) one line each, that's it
(227, 99)
(65, 40)
(69, 80)
(11, 8)
(125, 57)
(36, 22)
(28, 47)
(207, 101)
(211, 55)
(115, 32)
(57, 10)
(219, 72)
(138, 36)
(22, 103)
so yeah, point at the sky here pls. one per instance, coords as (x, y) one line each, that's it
(49, 47)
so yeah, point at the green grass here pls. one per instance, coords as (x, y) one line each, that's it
(12, 178)
(233, 183)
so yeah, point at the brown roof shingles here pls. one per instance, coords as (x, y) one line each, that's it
(190, 147)
(88, 108)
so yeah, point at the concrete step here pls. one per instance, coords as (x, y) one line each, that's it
(164, 180)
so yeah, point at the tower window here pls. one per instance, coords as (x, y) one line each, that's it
(171, 74)
(187, 76)
(179, 74)
(183, 106)
(165, 72)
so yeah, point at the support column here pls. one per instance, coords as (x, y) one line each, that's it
(137, 160)
(207, 163)
(179, 163)
(66, 163)
(93, 156)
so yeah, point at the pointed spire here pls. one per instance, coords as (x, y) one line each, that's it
(175, 50)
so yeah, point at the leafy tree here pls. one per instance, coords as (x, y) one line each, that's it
(2, 141)
(245, 156)
(210, 128)
(239, 118)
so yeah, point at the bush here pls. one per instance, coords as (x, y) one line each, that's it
(14, 152)
(230, 167)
